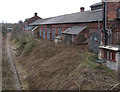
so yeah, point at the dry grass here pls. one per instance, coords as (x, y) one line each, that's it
(58, 66)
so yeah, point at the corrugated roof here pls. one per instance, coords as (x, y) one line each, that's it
(37, 22)
(96, 4)
(86, 16)
(28, 28)
(74, 30)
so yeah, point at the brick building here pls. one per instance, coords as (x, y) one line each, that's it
(51, 27)
(93, 19)
(28, 29)
(111, 50)
(90, 27)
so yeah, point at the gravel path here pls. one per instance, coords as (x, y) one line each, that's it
(0, 62)
(12, 66)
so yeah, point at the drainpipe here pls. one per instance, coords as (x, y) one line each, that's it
(105, 23)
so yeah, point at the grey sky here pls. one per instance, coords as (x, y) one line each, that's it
(11, 11)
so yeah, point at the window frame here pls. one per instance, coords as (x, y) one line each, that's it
(59, 31)
(48, 33)
(53, 33)
(40, 32)
(118, 12)
(44, 33)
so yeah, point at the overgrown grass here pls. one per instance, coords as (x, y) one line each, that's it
(53, 63)
(103, 67)
(91, 64)
(30, 45)
(25, 44)
(90, 56)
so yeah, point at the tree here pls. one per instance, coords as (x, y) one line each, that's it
(20, 22)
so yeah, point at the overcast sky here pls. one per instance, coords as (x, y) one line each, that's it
(11, 11)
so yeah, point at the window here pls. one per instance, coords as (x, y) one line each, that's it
(111, 56)
(40, 32)
(108, 55)
(119, 13)
(59, 31)
(91, 38)
(44, 33)
(53, 34)
(95, 38)
(72, 37)
(48, 33)
(118, 38)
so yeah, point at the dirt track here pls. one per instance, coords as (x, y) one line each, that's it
(0, 62)
(12, 66)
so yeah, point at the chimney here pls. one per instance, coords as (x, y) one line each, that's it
(35, 14)
(82, 9)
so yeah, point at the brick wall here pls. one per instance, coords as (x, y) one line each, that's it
(63, 27)
(112, 22)
(31, 20)
(112, 10)
(93, 26)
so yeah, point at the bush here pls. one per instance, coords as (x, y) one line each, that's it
(17, 33)
(4, 29)
(29, 47)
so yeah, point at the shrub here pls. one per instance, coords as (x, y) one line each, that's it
(29, 46)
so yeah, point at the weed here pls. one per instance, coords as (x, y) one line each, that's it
(90, 56)
(29, 46)
(91, 64)
(108, 70)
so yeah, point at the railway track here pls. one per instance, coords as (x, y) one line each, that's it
(18, 85)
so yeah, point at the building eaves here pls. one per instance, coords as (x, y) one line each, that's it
(96, 4)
